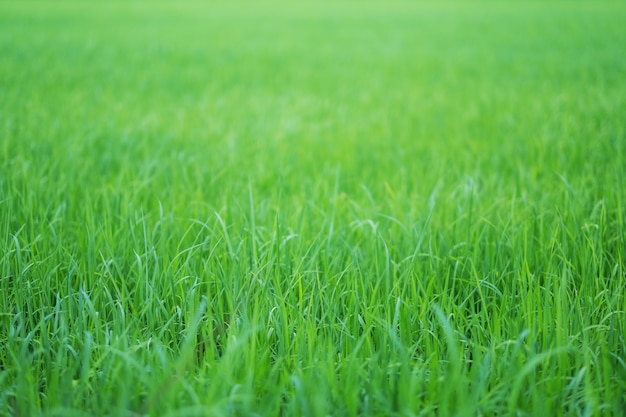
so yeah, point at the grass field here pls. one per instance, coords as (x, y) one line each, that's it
(344, 209)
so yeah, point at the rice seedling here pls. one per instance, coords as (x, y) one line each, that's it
(312, 209)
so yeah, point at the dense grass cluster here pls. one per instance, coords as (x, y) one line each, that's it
(298, 210)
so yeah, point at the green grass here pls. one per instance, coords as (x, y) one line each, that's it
(309, 210)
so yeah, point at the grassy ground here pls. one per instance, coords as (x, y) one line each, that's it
(277, 210)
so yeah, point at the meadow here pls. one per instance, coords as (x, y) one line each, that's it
(299, 209)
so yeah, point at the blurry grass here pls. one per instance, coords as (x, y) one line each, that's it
(312, 210)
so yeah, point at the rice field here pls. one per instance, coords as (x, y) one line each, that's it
(312, 209)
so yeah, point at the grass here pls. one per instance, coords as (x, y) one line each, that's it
(309, 210)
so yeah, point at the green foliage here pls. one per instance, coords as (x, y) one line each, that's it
(312, 210)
